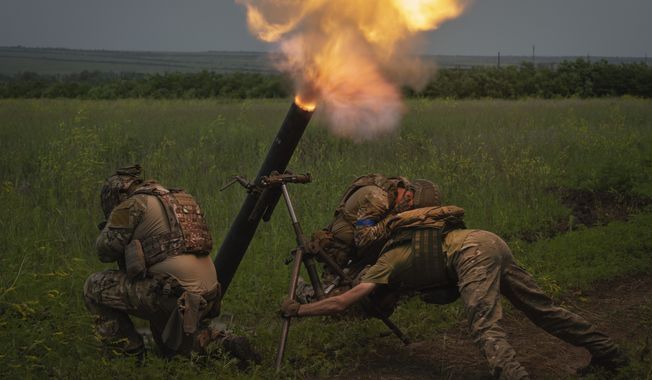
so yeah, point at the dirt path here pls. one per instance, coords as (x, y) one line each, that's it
(622, 308)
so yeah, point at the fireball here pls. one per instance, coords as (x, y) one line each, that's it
(351, 56)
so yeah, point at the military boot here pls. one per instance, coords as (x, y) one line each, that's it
(239, 347)
(236, 346)
(610, 362)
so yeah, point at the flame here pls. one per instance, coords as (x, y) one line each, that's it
(308, 105)
(351, 56)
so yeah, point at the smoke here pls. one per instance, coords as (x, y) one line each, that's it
(351, 57)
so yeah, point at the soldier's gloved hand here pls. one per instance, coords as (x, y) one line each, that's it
(320, 240)
(290, 308)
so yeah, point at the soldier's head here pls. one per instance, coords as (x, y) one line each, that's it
(118, 187)
(426, 194)
(404, 197)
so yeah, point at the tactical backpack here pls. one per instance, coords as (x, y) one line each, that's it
(389, 185)
(189, 233)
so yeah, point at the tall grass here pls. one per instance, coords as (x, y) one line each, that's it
(497, 159)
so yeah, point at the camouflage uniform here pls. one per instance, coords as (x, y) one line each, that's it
(351, 239)
(355, 227)
(483, 267)
(175, 295)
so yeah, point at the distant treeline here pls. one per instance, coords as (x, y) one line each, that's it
(579, 78)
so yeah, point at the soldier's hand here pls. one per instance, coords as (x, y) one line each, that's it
(290, 308)
(320, 240)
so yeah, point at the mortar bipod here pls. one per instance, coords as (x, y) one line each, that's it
(300, 255)
(267, 190)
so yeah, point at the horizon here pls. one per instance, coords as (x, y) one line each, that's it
(556, 28)
(645, 56)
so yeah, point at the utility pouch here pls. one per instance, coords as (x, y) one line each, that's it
(184, 319)
(135, 260)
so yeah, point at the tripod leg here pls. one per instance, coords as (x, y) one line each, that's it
(368, 304)
(311, 267)
(388, 322)
(285, 330)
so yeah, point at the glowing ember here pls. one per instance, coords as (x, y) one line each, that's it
(351, 56)
(306, 105)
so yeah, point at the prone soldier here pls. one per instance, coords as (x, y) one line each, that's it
(429, 249)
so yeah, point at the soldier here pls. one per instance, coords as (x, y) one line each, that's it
(350, 239)
(161, 242)
(430, 248)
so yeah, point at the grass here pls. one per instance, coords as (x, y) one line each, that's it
(14, 60)
(497, 159)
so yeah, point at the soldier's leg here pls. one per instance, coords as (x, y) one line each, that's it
(110, 297)
(478, 266)
(523, 292)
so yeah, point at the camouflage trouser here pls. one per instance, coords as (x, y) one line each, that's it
(111, 297)
(486, 268)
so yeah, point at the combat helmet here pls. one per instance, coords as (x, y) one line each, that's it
(117, 187)
(426, 194)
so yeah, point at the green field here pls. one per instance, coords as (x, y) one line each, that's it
(52, 61)
(505, 162)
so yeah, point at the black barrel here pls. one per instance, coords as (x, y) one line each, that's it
(243, 228)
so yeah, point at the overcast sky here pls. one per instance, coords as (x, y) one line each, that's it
(556, 27)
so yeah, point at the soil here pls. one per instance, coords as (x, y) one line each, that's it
(589, 208)
(592, 208)
(621, 308)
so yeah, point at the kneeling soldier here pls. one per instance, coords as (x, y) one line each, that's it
(161, 242)
(430, 249)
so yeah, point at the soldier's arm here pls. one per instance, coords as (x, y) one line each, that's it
(119, 229)
(371, 223)
(337, 304)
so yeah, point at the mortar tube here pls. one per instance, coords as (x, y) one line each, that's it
(242, 230)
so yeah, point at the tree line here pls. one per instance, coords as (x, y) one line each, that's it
(580, 78)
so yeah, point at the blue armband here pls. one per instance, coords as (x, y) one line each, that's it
(365, 223)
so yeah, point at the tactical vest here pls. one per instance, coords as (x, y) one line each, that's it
(389, 185)
(189, 234)
(424, 229)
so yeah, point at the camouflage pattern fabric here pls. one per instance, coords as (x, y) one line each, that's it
(346, 241)
(120, 227)
(485, 268)
(184, 286)
(111, 297)
(116, 188)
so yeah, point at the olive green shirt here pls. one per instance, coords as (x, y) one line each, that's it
(139, 217)
(396, 267)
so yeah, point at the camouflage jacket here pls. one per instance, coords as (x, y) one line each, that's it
(131, 219)
(368, 210)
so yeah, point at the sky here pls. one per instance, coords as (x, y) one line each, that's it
(511, 27)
